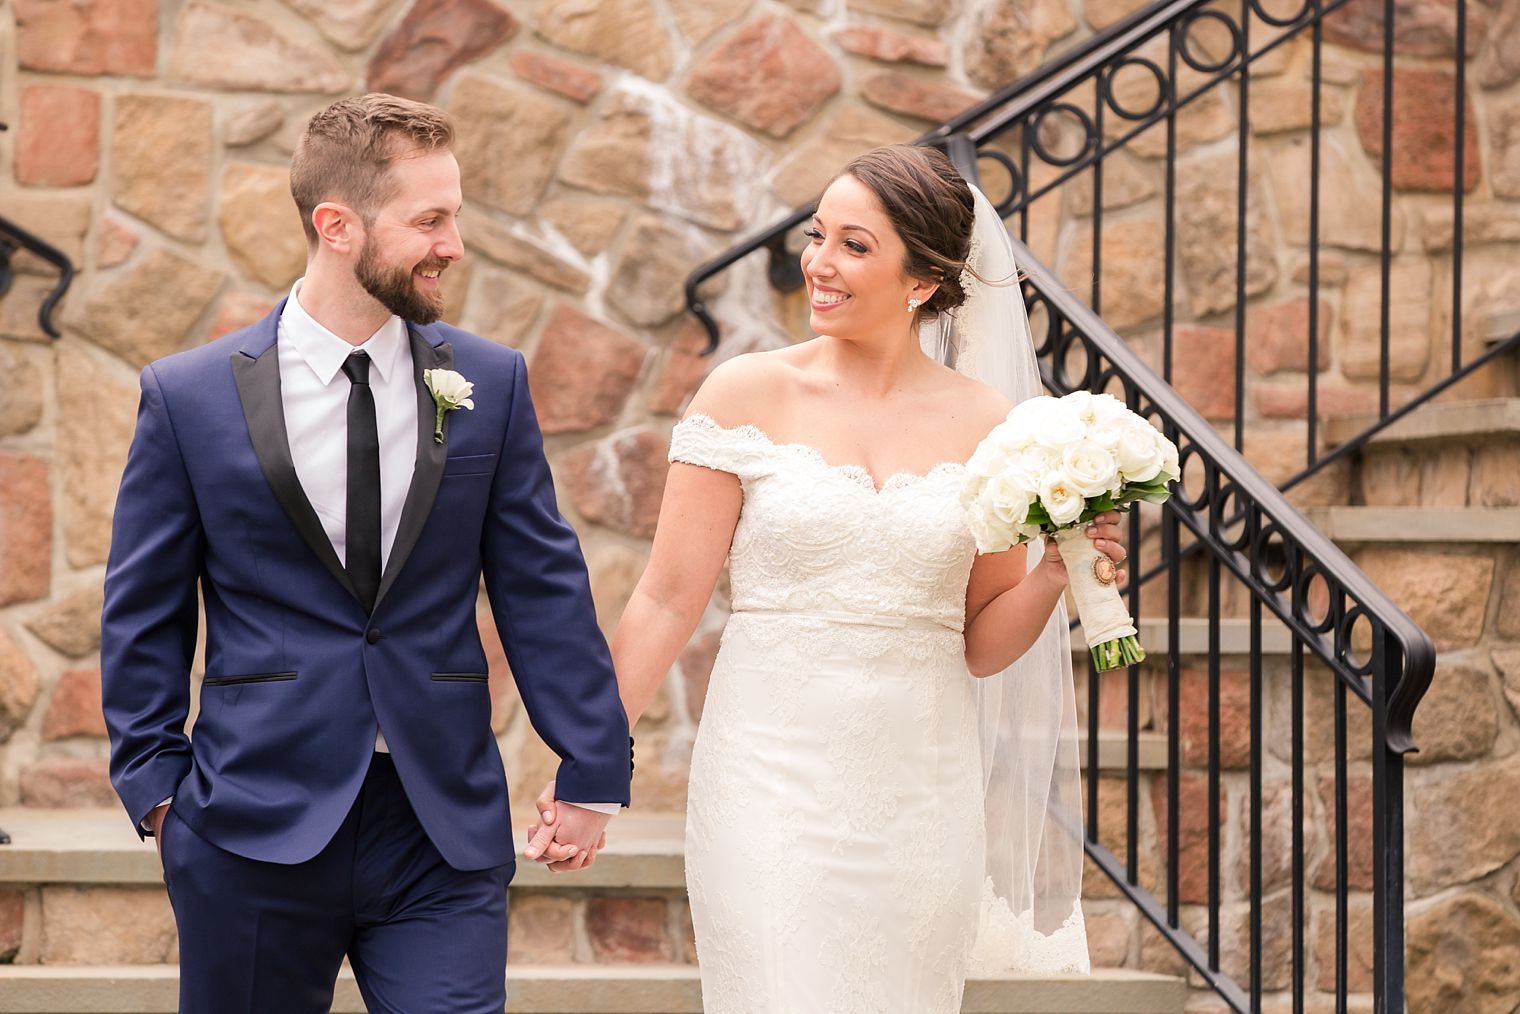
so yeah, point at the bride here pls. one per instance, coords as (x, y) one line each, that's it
(867, 819)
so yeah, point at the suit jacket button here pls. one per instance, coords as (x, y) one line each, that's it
(372, 635)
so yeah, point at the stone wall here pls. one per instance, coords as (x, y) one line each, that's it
(609, 147)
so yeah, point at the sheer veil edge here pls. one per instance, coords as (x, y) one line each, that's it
(1031, 914)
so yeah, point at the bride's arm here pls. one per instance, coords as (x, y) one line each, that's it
(698, 513)
(697, 518)
(1006, 609)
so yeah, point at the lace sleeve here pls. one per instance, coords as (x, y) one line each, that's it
(699, 440)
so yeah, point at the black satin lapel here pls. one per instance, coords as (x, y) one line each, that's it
(258, 386)
(427, 473)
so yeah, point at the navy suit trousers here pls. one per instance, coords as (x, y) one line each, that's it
(267, 938)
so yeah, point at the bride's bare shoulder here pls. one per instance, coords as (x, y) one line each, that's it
(742, 389)
(974, 406)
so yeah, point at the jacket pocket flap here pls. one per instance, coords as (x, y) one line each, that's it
(470, 464)
(262, 677)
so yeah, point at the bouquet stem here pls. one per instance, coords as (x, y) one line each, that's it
(1126, 651)
(1111, 634)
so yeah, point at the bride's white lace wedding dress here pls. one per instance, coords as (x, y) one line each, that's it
(834, 843)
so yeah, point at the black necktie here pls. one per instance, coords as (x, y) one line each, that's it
(362, 556)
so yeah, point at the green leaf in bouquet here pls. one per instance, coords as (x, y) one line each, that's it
(1102, 505)
(1155, 494)
(1156, 491)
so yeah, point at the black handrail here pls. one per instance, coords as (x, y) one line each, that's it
(12, 238)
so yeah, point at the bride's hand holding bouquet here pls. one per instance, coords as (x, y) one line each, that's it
(1055, 466)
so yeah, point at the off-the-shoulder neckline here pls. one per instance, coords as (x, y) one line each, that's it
(859, 473)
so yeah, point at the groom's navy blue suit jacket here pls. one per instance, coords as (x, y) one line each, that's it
(297, 675)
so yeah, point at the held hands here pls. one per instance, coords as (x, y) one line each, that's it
(569, 837)
(1107, 537)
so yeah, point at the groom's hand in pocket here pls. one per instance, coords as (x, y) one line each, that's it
(156, 823)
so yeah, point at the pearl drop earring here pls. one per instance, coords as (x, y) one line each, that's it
(914, 304)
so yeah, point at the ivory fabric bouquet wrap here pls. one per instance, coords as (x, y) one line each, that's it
(1053, 465)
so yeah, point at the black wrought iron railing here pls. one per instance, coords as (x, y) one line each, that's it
(1282, 682)
(13, 238)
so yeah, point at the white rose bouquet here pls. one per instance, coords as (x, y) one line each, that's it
(1053, 465)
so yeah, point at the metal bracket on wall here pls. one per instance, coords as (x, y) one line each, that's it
(14, 238)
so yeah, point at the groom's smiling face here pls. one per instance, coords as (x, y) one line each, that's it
(413, 237)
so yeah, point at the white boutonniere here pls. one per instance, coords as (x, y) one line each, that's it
(450, 391)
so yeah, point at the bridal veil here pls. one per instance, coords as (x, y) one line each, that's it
(1031, 914)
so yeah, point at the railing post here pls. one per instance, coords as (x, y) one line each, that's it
(1387, 837)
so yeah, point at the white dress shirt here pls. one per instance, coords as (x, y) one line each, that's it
(314, 392)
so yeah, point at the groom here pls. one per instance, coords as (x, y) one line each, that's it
(343, 793)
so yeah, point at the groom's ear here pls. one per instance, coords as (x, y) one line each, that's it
(338, 226)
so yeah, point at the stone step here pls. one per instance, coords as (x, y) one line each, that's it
(1457, 420)
(645, 851)
(1502, 326)
(583, 989)
(97, 846)
(1404, 526)
(1193, 637)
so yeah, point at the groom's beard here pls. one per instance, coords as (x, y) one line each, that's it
(395, 289)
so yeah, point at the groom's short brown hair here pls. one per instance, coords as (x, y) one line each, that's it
(348, 148)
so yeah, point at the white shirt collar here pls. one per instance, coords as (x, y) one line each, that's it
(325, 352)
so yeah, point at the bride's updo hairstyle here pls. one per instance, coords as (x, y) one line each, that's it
(930, 205)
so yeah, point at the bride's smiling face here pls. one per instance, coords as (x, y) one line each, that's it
(853, 266)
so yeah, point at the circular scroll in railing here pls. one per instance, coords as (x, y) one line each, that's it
(1230, 516)
(1052, 127)
(1273, 558)
(1195, 477)
(1354, 640)
(1005, 189)
(1207, 40)
(1130, 80)
(1111, 382)
(1043, 324)
(1073, 364)
(1313, 603)
(1301, 12)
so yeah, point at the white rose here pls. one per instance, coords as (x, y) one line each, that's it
(1139, 452)
(1063, 503)
(990, 537)
(1058, 427)
(1079, 404)
(1106, 407)
(1010, 498)
(1091, 469)
(1033, 462)
(1025, 421)
(1169, 465)
(1107, 432)
(989, 458)
(971, 490)
(450, 389)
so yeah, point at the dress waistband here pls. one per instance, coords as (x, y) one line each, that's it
(862, 619)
